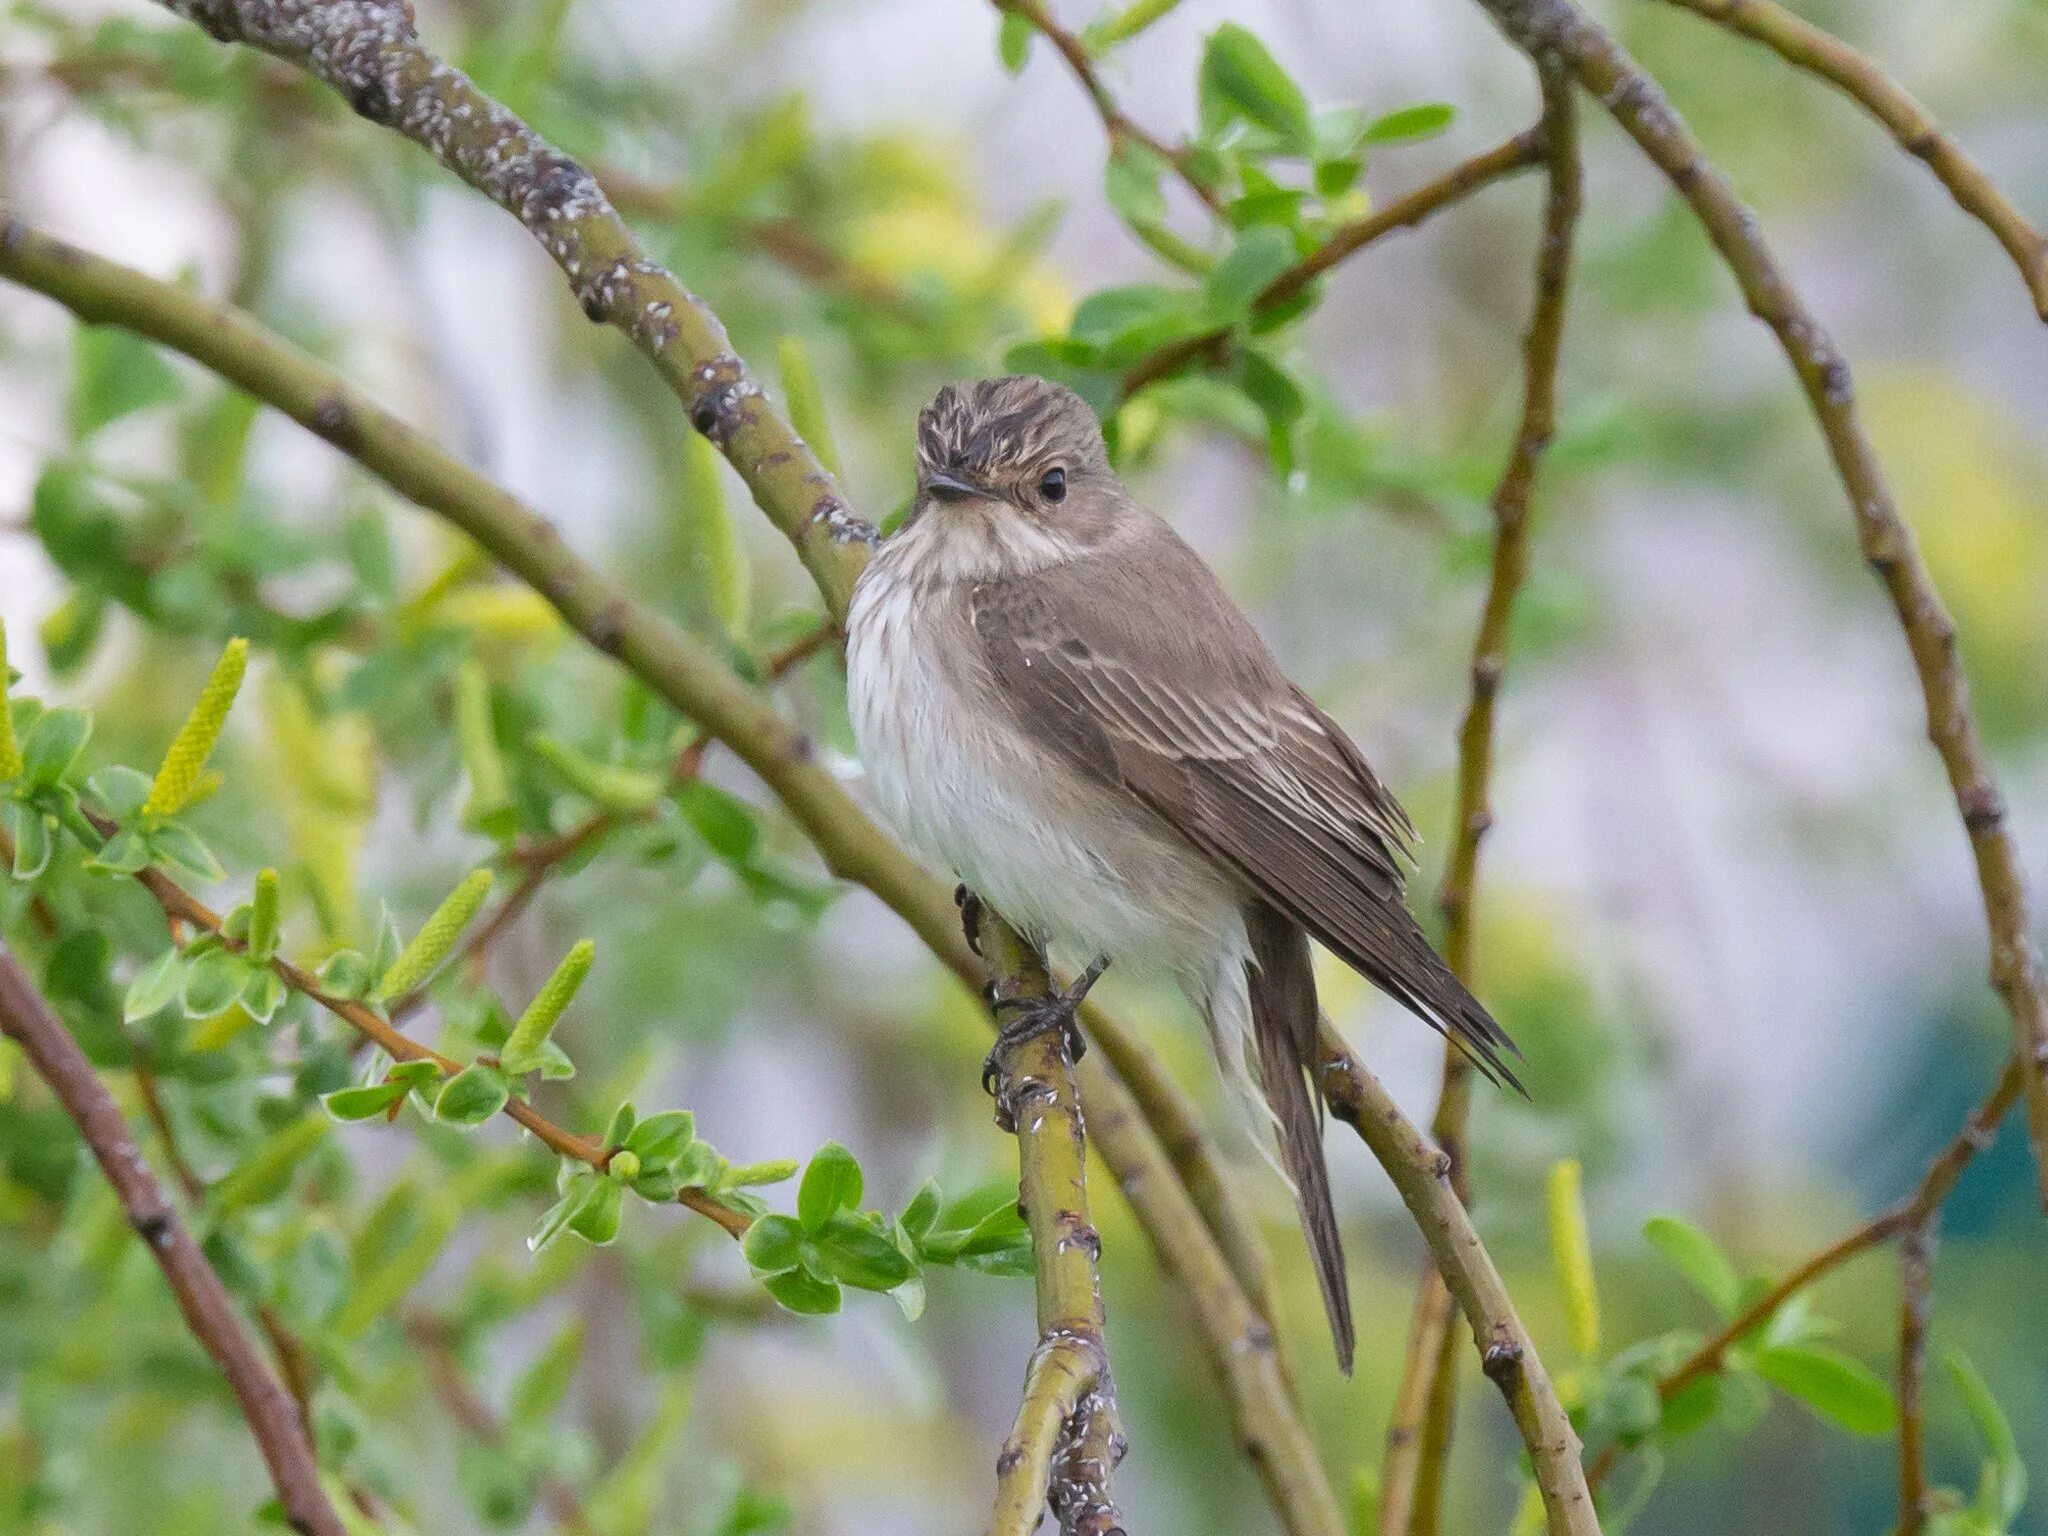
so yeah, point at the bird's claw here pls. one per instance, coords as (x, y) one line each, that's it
(970, 916)
(1030, 1016)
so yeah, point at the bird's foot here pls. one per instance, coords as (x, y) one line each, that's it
(970, 915)
(1030, 1016)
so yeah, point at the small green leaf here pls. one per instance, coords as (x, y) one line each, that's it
(803, 1293)
(121, 790)
(1699, 1258)
(53, 746)
(1239, 77)
(660, 1139)
(263, 994)
(2002, 1489)
(1843, 1389)
(727, 823)
(212, 983)
(597, 1214)
(115, 372)
(1411, 123)
(773, 1171)
(267, 1172)
(1261, 254)
(543, 1385)
(831, 1183)
(365, 1103)
(773, 1244)
(29, 829)
(155, 987)
(1691, 1407)
(1013, 41)
(621, 1124)
(923, 1211)
(858, 1255)
(345, 974)
(472, 1095)
(182, 851)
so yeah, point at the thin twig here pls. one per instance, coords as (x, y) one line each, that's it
(1405, 212)
(272, 1416)
(1415, 1464)
(1804, 46)
(1604, 68)
(475, 1416)
(1068, 1381)
(1916, 1301)
(1119, 124)
(1507, 1353)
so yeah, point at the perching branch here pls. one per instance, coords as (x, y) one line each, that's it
(1418, 1450)
(1598, 62)
(1067, 1388)
(1118, 123)
(272, 1416)
(1405, 212)
(1804, 46)
(699, 683)
(1507, 1353)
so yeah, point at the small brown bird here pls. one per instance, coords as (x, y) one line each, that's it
(1055, 699)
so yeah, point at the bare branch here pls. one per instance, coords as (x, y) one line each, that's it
(1805, 46)
(272, 1416)
(1599, 63)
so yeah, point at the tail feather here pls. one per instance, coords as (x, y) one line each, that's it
(1283, 1007)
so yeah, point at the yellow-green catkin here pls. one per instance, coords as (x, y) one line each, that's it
(263, 912)
(806, 401)
(178, 778)
(522, 1046)
(489, 796)
(10, 749)
(1572, 1252)
(717, 562)
(626, 791)
(436, 938)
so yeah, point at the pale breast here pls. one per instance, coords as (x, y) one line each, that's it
(1065, 858)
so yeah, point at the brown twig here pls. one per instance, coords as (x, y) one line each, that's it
(1505, 159)
(1115, 120)
(1414, 1464)
(1604, 68)
(1916, 1300)
(477, 1418)
(1917, 1210)
(272, 1416)
(1805, 46)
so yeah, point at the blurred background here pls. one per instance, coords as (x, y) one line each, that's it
(1726, 908)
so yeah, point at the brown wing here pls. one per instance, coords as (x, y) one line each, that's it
(1142, 672)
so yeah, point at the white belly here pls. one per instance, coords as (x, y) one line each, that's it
(968, 791)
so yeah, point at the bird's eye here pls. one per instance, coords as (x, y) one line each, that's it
(1052, 485)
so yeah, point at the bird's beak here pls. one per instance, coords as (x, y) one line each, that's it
(947, 488)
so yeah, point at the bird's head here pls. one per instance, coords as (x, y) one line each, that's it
(1017, 447)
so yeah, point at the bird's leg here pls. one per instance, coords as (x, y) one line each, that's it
(1028, 1016)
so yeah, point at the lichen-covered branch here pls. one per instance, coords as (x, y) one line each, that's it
(1507, 1353)
(1804, 46)
(272, 1415)
(1417, 1455)
(1068, 1385)
(369, 52)
(1405, 212)
(702, 686)
(1545, 27)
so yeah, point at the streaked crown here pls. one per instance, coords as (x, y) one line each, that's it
(990, 431)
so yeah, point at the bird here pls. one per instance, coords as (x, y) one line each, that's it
(1055, 699)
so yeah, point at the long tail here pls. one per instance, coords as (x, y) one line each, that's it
(1283, 1005)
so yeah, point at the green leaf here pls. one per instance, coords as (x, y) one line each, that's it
(472, 1095)
(125, 853)
(1131, 184)
(596, 1217)
(803, 1293)
(831, 1183)
(2003, 1487)
(212, 983)
(1411, 123)
(660, 1139)
(155, 987)
(365, 1103)
(1013, 41)
(1261, 254)
(923, 1211)
(53, 746)
(773, 1244)
(1691, 1407)
(115, 372)
(544, 1384)
(120, 789)
(1239, 77)
(29, 829)
(861, 1256)
(1843, 1389)
(774, 1171)
(181, 850)
(267, 1172)
(1699, 1258)
(346, 974)
(263, 994)
(726, 823)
